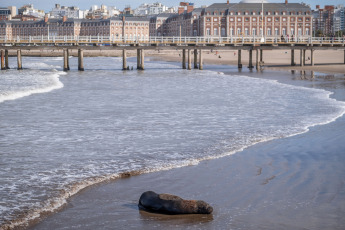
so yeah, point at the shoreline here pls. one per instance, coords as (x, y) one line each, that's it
(180, 171)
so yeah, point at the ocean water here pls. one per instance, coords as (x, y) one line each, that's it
(61, 132)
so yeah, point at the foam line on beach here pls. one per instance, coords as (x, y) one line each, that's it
(55, 83)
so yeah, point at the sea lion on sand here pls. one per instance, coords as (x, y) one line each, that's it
(170, 204)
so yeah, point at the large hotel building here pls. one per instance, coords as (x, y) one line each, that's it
(220, 19)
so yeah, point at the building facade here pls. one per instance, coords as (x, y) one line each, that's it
(217, 20)
(115, 28)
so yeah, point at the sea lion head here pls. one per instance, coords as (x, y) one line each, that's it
(204, 208)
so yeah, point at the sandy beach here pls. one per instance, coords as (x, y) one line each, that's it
(289, 183)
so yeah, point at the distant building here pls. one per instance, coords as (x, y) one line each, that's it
(102, 12)
(150, 9)
(30, 10)
(5, 13)
(339, 18)
(71, 12)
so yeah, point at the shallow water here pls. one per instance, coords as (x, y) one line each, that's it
(62, 132)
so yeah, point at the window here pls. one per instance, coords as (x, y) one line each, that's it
(208, 31)
(269, 19)
(284, 31)
(238, 31)
(254, 19)
(284, 19)
(276, 19)
(254, 31)
(276, 31)
(246, 31)
(215, 19)
(223, 32)
(239, 19)
(292, 31)
(231, 19)
(307, 31)
(299, 31)
(215, 31)
(269, 32)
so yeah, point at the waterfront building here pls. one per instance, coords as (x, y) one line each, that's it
(7, 13)
(339, 18)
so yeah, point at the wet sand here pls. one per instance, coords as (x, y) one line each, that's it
(290, 183)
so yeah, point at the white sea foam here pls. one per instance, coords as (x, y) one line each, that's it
(17, 85)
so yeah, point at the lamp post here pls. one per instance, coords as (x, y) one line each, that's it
(262, 21)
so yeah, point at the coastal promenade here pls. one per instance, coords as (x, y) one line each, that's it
(185, 44)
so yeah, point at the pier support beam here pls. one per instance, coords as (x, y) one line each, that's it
(201, 64)
(257, 60)
(301, 58)
(68, 58)
(312, 57)
(124, 59)
(293, 57)
(183, 59)
(7, 66)
(250, 66)
(142, 58)
(261, 55)
(195, 59)
(3, 60)
(65, 60)
(189, 59)
(80, 60)
(239, 59)
(138, 58)
(344, 56)
(304, 52)
(19, 59)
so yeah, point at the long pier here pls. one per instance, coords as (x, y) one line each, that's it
(255, 45)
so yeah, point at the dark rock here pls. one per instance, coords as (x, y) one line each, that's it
(170, 204)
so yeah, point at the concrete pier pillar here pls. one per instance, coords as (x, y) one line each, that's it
(3, 60)
(142, 58)
(304, 52)
(7, 66)
(195, 59)
(183, 59)
(250, 66)
(301, 58)
(239, 59)
(81, 60)
(344, 56)
(19, 60)
(293, 57)
(257, 59)
(201, 64)
(68, 59)
(312, 57)
(261, 55)
(65, 61)
(189, 59)
(124, 59)
(138, 59)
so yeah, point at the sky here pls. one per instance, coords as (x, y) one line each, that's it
(47, 5)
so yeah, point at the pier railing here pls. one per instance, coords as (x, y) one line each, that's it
(216, 40)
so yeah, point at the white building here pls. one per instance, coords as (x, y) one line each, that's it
(30, 10)
(70, 12)
(339, 18)
(151, 9)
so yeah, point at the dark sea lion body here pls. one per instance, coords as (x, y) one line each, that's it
(170, 204)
